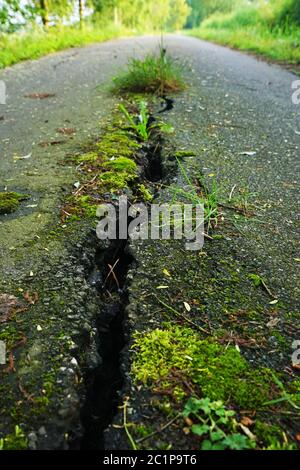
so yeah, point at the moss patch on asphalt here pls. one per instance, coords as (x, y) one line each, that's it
(10, 201)
(174, 356)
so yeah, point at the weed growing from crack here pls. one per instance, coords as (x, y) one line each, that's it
(198, 194)
(153, 74)
(216, 424)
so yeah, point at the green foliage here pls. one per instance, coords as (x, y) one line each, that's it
(154, 74)
(36, 42)
(198, 194)
(144, 14)
(201, 10)
(217, 372)
(215, 424)
(268, 28)
(16, 441)
(143, 193)
(122, 164)
(141, 125)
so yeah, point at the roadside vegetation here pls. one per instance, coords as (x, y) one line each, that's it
(270, 28)
(33, 28)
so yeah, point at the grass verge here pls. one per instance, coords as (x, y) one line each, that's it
(36, 43)
(255, 30)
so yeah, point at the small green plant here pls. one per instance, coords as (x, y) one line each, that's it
(216, 425)
(199, 194)
(153, 74)
(141, 125)
(16, 441)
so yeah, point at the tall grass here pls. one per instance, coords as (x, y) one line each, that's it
(35, 43)
(259, 29)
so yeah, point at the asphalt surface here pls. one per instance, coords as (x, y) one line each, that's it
(236, 114)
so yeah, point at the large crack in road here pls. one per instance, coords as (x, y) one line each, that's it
(238, 119)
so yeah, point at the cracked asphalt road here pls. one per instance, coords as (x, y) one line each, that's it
(236, 114)
(246, 102)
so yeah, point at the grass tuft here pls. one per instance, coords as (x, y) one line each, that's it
(153, 74)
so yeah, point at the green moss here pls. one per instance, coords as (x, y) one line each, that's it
(220, 373)
(86, 205)
(89, 157)
(122, 164)
(143, 193)
(11, 336)
(267, 432)
(142, 430)
(117, 144)
(9, 201)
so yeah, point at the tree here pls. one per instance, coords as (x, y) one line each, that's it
(80, 10)
(13, 13)
(201, 9)
(179, 12)
(44, 9)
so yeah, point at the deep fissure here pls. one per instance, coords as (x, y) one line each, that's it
(109, 278)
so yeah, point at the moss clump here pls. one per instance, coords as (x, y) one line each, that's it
(220, 373)
(122, 164)
(114, 181)
(89, 157)
(9, 201)
(86, 206)
(11, 336)
(143, 193)
(267, 432)
(117, 144)
(122, 171)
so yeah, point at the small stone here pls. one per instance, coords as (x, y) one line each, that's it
(42, 431)
(74, 362)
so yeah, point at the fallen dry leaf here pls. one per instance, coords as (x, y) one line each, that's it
(296, 366)
(39, 96)
(273, 322)
(11, 364)
(9, 304)
(31, 298)
(188, 421)
(66, 130)
(246, 421)
(166, 272)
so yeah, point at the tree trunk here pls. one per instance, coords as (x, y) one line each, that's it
(44, 12)
(116, 16)
(80, 7)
